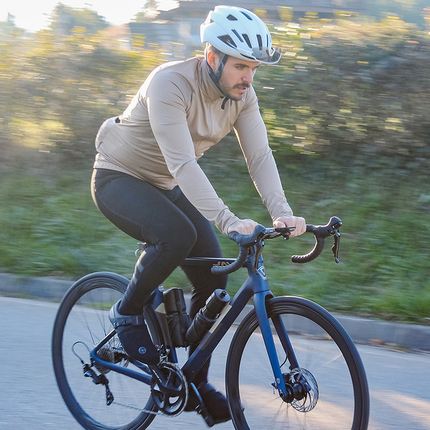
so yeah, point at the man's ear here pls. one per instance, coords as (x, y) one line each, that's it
(212, 60)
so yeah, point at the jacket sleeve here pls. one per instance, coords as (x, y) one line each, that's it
(166, 100)
(251, 132)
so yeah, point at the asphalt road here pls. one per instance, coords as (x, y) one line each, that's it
(399, 381)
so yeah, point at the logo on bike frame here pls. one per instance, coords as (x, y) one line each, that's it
(222, 263)
(262, 272)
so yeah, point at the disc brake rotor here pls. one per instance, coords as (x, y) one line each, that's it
(304, 389)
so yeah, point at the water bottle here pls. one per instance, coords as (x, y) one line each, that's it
(178, 320)
(207, 316)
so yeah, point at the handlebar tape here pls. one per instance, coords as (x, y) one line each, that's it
(244, 241)
(316, 251)
(247, 240)
(321, 233)
(238, 263)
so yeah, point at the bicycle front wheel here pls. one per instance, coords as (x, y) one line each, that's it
(81, 323)
(330, 373)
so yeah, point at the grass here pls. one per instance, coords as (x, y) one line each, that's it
(50, 227)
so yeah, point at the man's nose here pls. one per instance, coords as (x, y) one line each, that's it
(248, 77)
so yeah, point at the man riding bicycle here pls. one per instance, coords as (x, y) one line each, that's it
(147, 180)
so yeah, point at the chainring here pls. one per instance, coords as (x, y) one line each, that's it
(171, 394)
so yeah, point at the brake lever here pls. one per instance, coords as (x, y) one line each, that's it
(258, 251)
(335, 247)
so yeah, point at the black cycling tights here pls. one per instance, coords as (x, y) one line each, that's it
(172, 227)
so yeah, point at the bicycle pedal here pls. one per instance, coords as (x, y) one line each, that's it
(201, 410)
(195, 403)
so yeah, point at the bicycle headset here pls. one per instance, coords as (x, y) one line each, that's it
(239, 33)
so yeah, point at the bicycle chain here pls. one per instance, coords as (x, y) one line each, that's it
(135, 408)
(152, 412)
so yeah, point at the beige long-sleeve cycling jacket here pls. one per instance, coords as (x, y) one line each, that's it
(173, 119)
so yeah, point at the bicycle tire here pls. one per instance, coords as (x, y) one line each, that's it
(83, 317)
(343, 395)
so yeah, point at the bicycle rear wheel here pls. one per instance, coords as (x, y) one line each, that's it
(329, 363)
(81, 323)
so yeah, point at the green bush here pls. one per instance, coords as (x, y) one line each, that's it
(353, 90)
(55, 91)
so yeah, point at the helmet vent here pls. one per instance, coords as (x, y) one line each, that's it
(260, 42)
(231, 18)
(238, 35)
(249, 17)
(227, 40)
(248, 42)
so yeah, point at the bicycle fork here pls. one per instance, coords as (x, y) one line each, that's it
(260, 299)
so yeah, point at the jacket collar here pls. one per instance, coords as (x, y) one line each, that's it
(208, 87)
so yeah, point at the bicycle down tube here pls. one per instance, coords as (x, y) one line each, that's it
(255, 285)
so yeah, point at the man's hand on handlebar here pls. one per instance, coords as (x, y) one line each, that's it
(293, 221)
(246, 226)
(243, 226)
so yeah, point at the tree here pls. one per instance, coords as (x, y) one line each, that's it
(65, 18)
(149, 11)
(359, 90)
(8, 28)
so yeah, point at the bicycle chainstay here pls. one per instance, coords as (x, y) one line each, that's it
(178, 390)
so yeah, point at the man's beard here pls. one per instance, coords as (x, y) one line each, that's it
(227, 90)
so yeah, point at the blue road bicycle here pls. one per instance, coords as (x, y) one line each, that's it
(290, 363)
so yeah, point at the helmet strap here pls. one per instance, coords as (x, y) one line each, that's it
(216, 76)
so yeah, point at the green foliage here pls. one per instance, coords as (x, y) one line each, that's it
(56, 91)
(355, 89)
(384, 250)
(50, 227)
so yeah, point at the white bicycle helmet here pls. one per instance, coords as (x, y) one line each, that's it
(239, 33)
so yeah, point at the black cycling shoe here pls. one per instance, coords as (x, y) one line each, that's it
(134, 336)
(215, 403)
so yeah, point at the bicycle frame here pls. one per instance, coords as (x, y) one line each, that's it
(255, 285)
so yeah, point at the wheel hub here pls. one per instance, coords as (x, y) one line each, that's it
(302, 390)
(112, 353)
